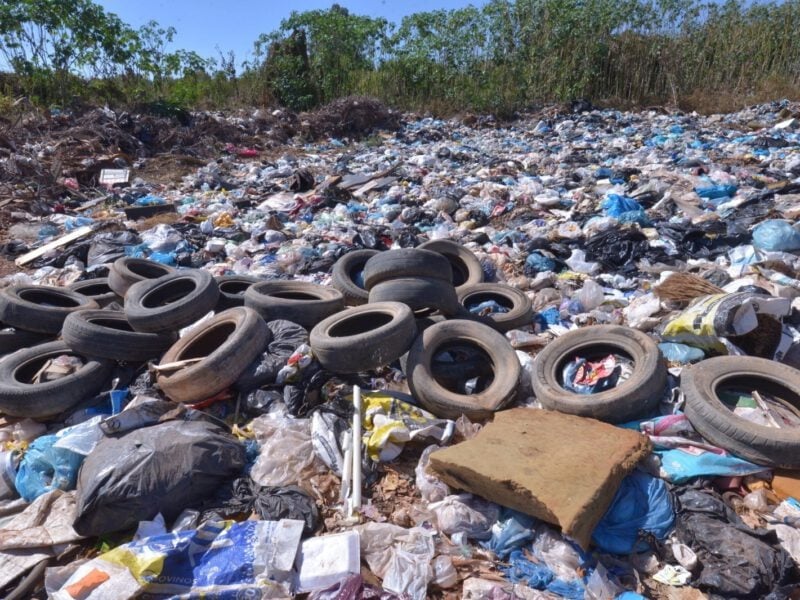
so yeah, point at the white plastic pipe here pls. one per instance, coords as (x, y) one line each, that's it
(347, 472)
(355, 504)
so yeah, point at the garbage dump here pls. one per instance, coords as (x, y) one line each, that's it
(252, 355)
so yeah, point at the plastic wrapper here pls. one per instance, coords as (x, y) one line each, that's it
(390, 423)
(465, 514)
(431, 489)
(401, 557)
(286, 452)
(219, 559)
(444, 573)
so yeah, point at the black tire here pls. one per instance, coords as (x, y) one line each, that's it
(344, 274)
(364, 337)
(227, 344)
(631, 399)
(466, 267)
(441, 401)
(420, 294)
(40, 308)
(406, 263)
(520, 312)
(298, 301)
(19, 398)
(171, 302)
(12, 339)
(768, 446)
(126, 271)
(96, 289)
(232, 289)
(423, 323)
(107, 334)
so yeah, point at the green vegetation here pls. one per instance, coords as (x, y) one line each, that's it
(503, 56)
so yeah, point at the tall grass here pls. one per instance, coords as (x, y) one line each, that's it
(506, 55)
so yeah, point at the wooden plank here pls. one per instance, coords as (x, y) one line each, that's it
(62, 241)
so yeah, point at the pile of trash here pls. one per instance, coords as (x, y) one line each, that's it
(558, 358)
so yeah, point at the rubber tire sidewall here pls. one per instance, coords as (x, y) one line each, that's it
(91, 339)
(520, 314)
(461, 260)
(366, 350)
(306, 313)
(630, 400)
(51, 398)
(177, 314)
(450, 405)
(768, 446)
(221, 368)
(30, 316)
(342, 276)
(406, 263)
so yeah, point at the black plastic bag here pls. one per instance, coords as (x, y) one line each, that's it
(108, 247)
(286, 338)
(159, 469)
(735, 560)
(245, 496)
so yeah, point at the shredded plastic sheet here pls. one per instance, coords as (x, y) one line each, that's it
(684, 455)
(222, 559)
(390, 423)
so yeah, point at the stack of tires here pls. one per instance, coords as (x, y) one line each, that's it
(414, 305)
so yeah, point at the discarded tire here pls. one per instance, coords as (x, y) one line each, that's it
(12, 339)
(21, 398)
(631, 399)
(406, 263)
(769, 446)
(298, 301)
(466, 267)
(345, 273)
(96, 289)
(170, 302)
(126, 271)
(225, 346)
(232, 289)
(40, 308)
(364, 337)
(443, 401)
(515, 301)
(420, 294)
(107, 334)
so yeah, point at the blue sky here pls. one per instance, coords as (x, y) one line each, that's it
(204, 25)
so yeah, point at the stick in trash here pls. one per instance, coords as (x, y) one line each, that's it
(765, 407)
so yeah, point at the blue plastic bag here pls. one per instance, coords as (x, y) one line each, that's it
(776, 235)
(642, 503)
(511, 532)
(536, 263)
(615, 205)
(52, 462)
(713, 192)
(45, 468)
(680, 353)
